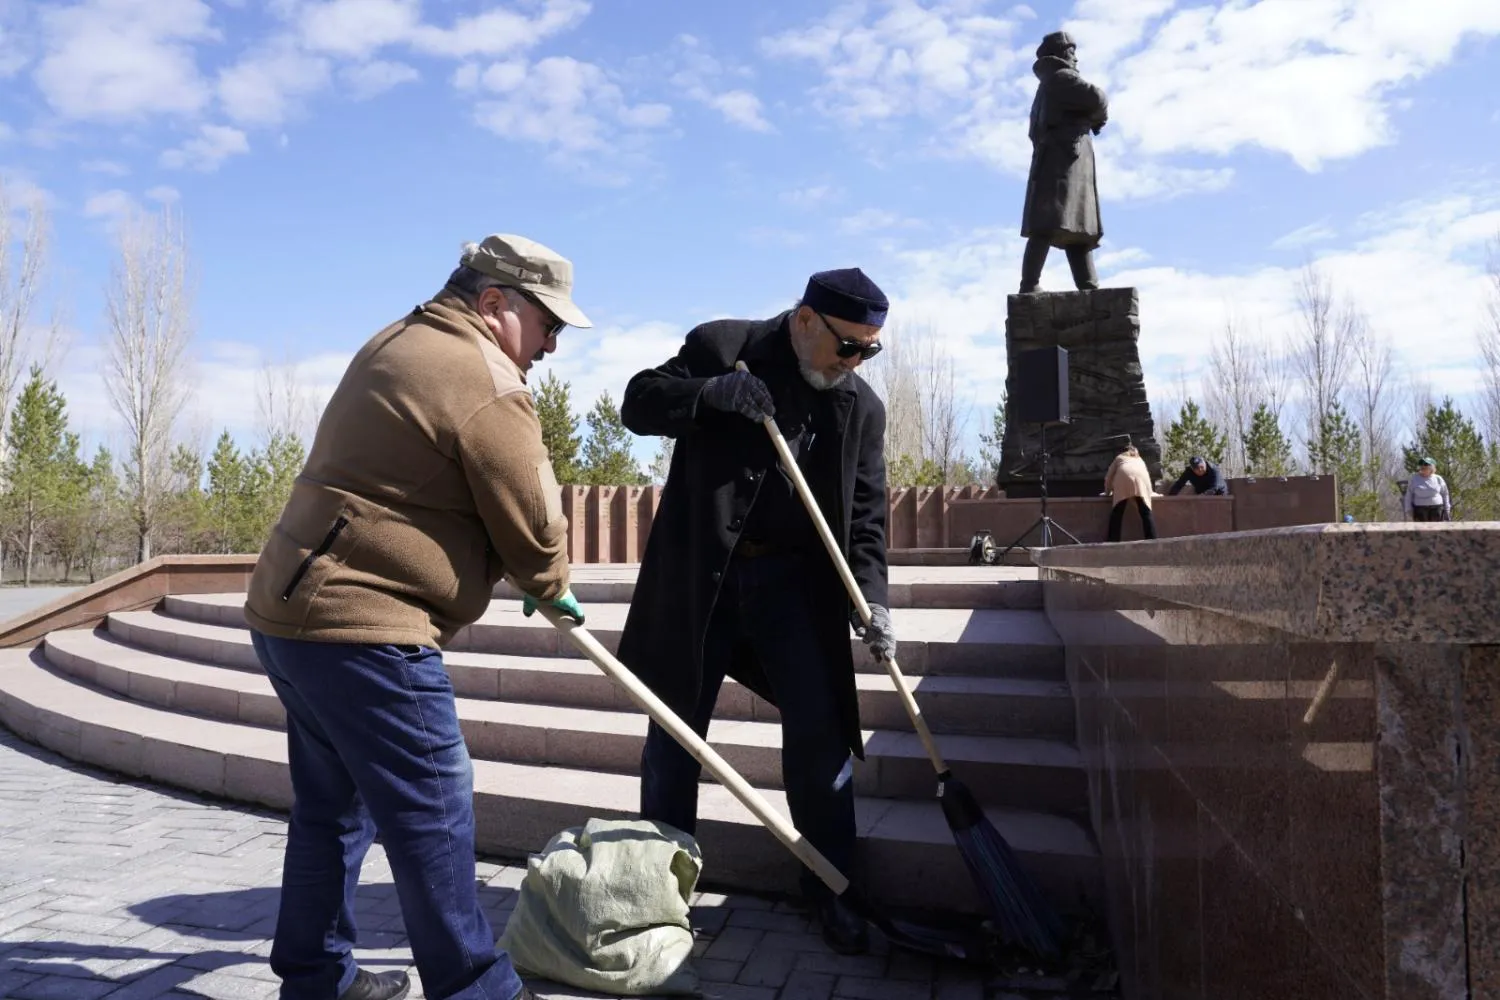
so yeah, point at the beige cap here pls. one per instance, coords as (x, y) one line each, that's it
(531, 267)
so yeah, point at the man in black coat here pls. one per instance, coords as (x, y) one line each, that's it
(1205, 477)
(735, 580)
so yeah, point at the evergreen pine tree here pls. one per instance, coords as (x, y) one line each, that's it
(1267, 449)
(1450, 440)
(991, 445)
(41, 462)
(607, 460)
(1192, 434)
(554, 409)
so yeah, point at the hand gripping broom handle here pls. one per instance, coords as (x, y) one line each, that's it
(837, 555)
(653, 706)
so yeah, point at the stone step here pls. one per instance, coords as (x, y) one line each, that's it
(995, 706)
(1001, 771)
(1015, 587)
(519, 807)
(936, 641)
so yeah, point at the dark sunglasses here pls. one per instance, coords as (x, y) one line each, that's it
(848, 346)
(555, 325)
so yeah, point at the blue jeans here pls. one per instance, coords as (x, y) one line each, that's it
(763, 612)
(374, 746)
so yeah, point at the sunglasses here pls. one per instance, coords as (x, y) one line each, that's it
(848, 346)
(555, 325)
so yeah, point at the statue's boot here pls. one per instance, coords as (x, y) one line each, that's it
(1081, 261)
(1032, 262)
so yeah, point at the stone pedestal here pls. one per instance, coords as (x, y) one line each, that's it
(1107, 393)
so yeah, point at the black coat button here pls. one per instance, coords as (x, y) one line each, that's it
(716, 576)
(752, 475)
(736, 524)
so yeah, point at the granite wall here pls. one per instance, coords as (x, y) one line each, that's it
(1292, 740)
(610, 524)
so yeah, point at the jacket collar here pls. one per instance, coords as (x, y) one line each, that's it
(449, 311)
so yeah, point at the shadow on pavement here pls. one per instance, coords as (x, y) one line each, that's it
(221, 920)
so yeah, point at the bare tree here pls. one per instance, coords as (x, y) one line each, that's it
(1234, 389)
(283, 404)
(925, 417)
(149, 311)
(897, 380)
(945, 415)
(1489, 346)
(20, 281)
(1375, 392)
(1321, 353)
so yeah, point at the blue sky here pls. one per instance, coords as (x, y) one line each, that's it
(699, 159)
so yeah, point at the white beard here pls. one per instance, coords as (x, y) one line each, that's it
(817, 379)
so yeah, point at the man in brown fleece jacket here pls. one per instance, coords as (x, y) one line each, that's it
(426, 483)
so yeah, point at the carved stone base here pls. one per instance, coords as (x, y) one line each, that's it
(1100, 330)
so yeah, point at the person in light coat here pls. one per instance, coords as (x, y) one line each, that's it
(1128, 479)
(1427, 496)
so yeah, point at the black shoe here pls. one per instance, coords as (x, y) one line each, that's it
(845, 931)
(377, 986)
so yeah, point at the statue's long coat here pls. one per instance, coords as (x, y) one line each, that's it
(1062, 197)
(719, 463)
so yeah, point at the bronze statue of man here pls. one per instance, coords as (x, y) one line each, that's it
(1062, 198)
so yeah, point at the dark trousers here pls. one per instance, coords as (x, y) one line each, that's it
(1080, 262)
(374, 745)
(1117, 518)
(1430, 512)
(763, 610)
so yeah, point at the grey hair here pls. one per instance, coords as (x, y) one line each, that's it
(471, 283)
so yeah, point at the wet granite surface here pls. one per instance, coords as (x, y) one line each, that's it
(1293, 745)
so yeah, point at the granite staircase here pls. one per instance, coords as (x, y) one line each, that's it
(174, 694)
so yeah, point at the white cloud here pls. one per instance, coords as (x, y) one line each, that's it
(208, 150)
(604, 359)
(372, 79)
(1315, 80)
(1303, 236)
(111, 167)
(571, 107)
(699, 76)
(359, 28)
(113, 206)
(1416, 270)
(165, 194)
(742, 108)
(264, 87)
(816, 194)
(122, 59)
(872, 220)
(6, 132)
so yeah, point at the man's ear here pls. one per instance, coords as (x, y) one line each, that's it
(492, 301)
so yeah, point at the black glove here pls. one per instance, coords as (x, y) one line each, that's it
(880, 634)
(739, 392)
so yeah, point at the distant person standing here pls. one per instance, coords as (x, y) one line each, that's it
(1427, 496)
(1128, 479)
(1205, 477)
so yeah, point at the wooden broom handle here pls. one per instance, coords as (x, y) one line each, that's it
(706, 755)
(837, 555)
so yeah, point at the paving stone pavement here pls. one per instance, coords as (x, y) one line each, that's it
(124, 890)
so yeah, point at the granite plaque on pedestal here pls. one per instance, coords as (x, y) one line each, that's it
(1100, 330)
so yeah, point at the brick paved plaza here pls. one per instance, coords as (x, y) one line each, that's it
(131, 892)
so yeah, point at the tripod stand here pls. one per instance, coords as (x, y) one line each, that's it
(1044, 522)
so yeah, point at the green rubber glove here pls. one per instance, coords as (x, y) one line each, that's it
(565, 602)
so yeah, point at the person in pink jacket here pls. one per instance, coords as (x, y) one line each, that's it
(1128, 479)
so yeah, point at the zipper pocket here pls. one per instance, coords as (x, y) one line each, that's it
(321, 550)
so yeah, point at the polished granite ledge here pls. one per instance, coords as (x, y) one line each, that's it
(1392, 582)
